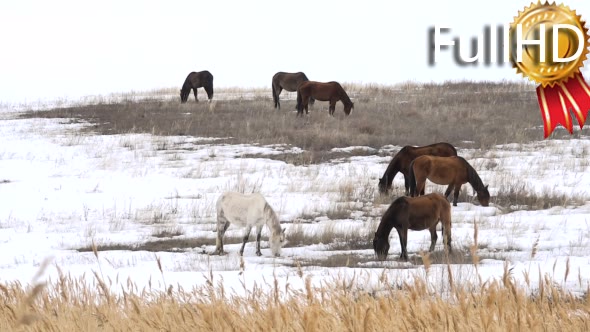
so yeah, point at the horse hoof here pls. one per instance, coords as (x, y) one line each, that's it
(258, 254)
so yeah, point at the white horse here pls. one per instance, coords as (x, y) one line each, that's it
(248, 211)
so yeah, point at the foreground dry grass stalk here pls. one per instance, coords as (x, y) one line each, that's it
(70, 304)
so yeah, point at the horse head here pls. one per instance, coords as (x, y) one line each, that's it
(381, 247)
(184, 95)
(276, 241)
(348, 108)
(483, 196)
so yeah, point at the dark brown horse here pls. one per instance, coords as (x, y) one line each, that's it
(417, 214)
(454, 171)
(195, 80)
(401, 162)
(330, 91)
(288, 82)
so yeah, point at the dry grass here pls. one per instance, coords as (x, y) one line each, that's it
(465, 114)
(71, 304)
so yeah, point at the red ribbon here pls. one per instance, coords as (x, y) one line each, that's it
(555, 103)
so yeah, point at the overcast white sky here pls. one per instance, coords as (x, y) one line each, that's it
(68, 49)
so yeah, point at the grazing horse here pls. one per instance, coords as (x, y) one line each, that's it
(454, 171)
(248, 211)
(401, 162)
(417, 214)
(195, 80)
(330, 91)
(288, 82)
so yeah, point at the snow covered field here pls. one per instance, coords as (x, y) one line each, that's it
(61, 191)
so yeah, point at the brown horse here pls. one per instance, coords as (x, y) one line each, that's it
(417, 214)
(454, 171)
(288, 82)
(401, 162)
(330, 91)
(195, 80)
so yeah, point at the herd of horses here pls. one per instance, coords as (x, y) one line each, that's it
(307, 91)
(416, 211)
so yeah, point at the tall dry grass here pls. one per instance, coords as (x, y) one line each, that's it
(73, 304)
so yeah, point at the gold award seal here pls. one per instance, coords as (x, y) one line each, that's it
(553, 47)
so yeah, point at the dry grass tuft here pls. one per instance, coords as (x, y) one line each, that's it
(342, 305)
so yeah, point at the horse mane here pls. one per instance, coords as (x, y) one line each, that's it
(187, 83)
(472, 176)
(393, 166)
(272, 220)
(343, 95)
(449, 145)
(386, 224)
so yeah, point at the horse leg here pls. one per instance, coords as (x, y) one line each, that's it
(332, 107)
(245, 239)
(403, 241)
(195, 92)
(448, 191)
(420, 186)
(456, 194)
(407, 184)
(301, 108)
(306, 105)
(258, 233)
(433, 237)
(278, 92)
(222, 225)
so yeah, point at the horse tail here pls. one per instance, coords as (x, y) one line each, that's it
(446, 222)
(210, 84)
(412, 179)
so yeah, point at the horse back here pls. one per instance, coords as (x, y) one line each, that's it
(241, 209)
(322, 91)
(425, 211)
(199, 79)
(288, 81)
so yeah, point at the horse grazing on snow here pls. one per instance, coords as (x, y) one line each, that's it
(330, 91)
(417, 214)
(401, 162)
(288, 82)
(195, 80)
(454, 171)
(248, 211)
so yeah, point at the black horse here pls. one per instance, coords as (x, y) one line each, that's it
(287, 81)
(194, 80)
